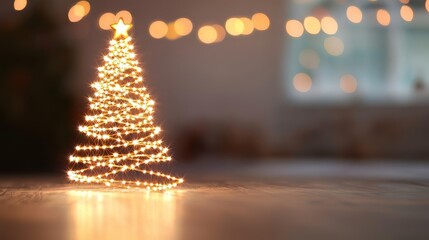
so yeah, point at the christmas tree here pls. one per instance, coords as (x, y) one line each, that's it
(123, 140)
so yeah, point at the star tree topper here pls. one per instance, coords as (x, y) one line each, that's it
(121, 29)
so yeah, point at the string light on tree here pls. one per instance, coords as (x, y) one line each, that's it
(123, 139)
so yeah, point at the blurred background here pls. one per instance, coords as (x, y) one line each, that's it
(239, 81)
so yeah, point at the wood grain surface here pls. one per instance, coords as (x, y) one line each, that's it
(241, 208)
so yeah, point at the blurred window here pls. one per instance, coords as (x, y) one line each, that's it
(365, 51)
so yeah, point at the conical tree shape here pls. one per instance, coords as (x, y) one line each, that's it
(122, 138)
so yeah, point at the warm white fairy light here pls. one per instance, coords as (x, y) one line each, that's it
(120, 125)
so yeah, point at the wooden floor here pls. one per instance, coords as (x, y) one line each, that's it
(281, 208)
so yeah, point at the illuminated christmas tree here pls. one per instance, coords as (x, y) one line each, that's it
(123, 140)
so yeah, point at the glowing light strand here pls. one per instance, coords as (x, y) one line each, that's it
(120, 126)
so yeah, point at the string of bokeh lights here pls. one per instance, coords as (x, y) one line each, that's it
(243, 26)
(182, 27)
(236, 26)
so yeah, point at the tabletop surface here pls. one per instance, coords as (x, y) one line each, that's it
(241, 208)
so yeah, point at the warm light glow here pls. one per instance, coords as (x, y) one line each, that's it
(302, 82)
(79, 10)
(76, 13)
(220, 32)
(312, 25)
(234, 26)
(348, 83)
(383, 17)
(354, 14)
(294, 28)
(171, 33)
(86, 6)
(407, 13)
(120, 126)
(19, 5)
(260, 21)
(158, 29)
(334, 46)
(329, 25)
(248, 26)
(121, 29)
(183, 26)
(427, 5)
(96, 214)
(207, 34)
(309, 59)
(125, 15)
(106, 20)
(404, 1)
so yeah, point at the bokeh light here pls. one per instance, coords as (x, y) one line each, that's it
(329, 25)
(407, 13)
(234, 26)
(158, 29)
(383, 17)
(312, 25)
(248, 26)
(106, 20)
(427, 5)
(207, 34)
(334, 46)
(309, 59)
(302, 82)
(76, 13)
(86, 6)
(171, 33)
(220, 31)
(354, 14)
(183, 26)
(125, 15)
(294, 28)
(348, 83)
(19, 5)
(260, 21)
